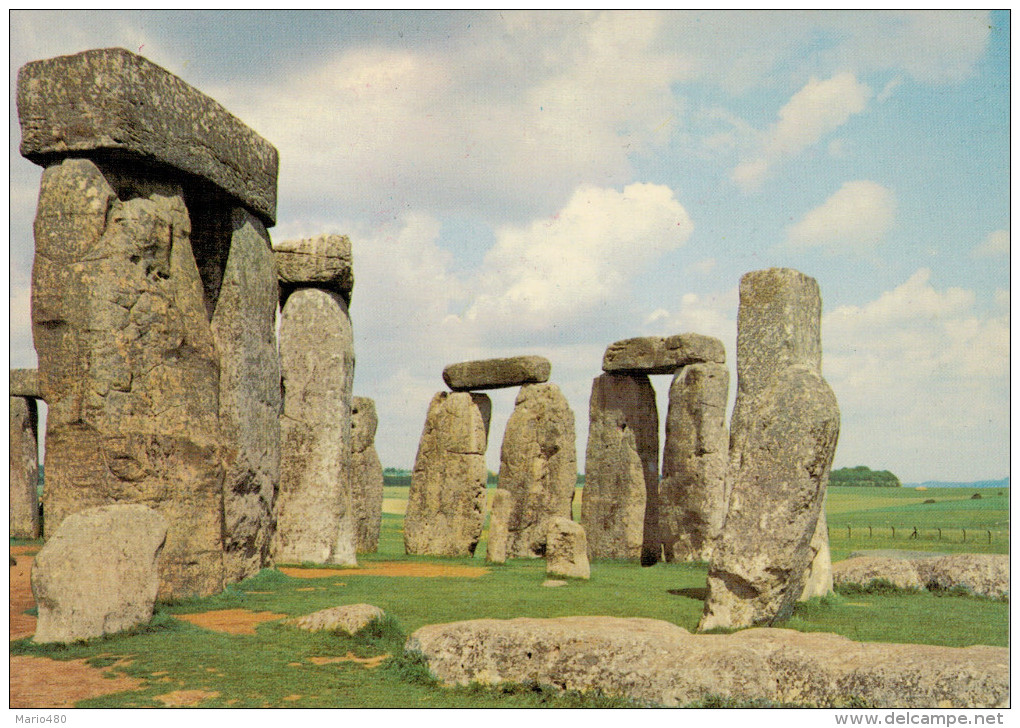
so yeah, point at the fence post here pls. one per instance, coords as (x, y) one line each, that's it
(989, 537)
(940, 534)
(964, 534)
(869, 531)
(849, 533)
(894, 533)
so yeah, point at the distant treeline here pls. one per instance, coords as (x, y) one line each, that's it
(402, 478)
(862, 476)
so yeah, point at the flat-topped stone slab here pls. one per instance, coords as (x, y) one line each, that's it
(662, 354)
(323, 261)
(112, 101)
(25, 383)
(497, 373)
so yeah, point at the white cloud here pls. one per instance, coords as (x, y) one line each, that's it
(585, 256)
(854, 219)
(703, 266)
(922, 379)
(816, 110)
(993, 246)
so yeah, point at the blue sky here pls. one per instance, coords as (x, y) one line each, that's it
(550, 183)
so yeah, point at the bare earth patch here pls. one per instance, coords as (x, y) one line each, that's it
(185, 698)
(21, 624)
(39, 682)
(28, 550)
(390, 568)
(368, 662)
(231, 621)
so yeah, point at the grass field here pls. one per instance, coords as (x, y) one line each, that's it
(281, 666)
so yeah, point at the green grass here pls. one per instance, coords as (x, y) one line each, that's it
(263, 669)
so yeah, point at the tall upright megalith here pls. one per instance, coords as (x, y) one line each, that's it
(621, 463)
(366, 474)
(538, 467)
(694, 460)
(446, 500)
(24, 470)
(314, 513)
(783, 436)
(146, 183)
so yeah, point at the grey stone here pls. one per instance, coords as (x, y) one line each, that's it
(25, 383)
(244, 329)
(324, 261)
(497, 373)
(538, 466)
(658, 663)
(127, 361)
(24, 458)
(112, 102)
(619, 504)
(661, 354)
(349, 618)
(763, 552)
(499, 520)
(366, 475)
(314, 518)
(694, 461)
(983, 574)
(567, 550)
(446, 500)
(97, 573)
(863, 570)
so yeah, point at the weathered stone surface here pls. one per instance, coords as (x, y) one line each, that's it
(127, 361)
(761, 556)
(314, 518)
(499, 521)
(659, 663)
(567, 550)
(818, 577)
(497, 373)
(324, 261)
(694, 460)
(661, 354)
(25, 383)
(244, 329)
(349, 618)
(865, 569)
(983, 574)
(619, 508)
(446, 500)
(112, 102)
(24, 458)
(778, 325)
(553, 583)
(366, 475)
(538, 466)
(97, 573)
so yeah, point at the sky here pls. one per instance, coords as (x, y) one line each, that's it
(551, 182)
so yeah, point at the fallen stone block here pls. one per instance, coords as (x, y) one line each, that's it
(349, 618)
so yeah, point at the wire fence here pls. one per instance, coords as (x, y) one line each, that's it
(918, 533)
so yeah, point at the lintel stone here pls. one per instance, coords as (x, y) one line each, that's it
(497, 373)
(111, 101)
(661, 354)
(25, 383)
(323, 261)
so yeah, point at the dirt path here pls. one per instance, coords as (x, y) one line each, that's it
(21, 624)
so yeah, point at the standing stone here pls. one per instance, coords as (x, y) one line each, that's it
(244, 329)
(567, 551)
(619, 506)
(127, 362)
(138, 214)
(818, 578)
(694, 461)
(24, 457)
(538, 466)
(366, 475)
(760, 559)
(314, 519)
(97, 573)
(499, 521)
(446, 501)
